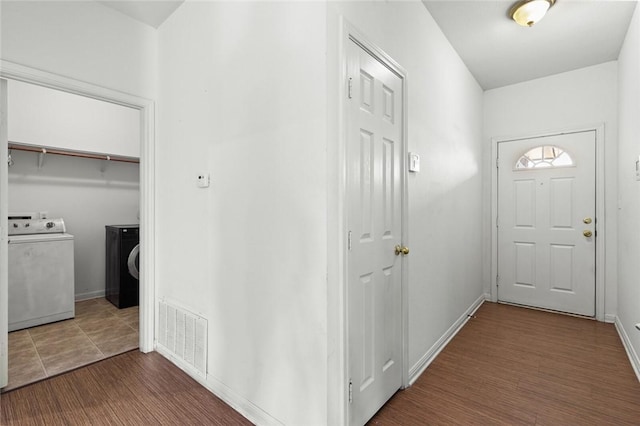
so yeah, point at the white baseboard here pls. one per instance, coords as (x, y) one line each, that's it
(89, 295)
(433, 352)
(246, 408)
(631, 352)
(611, 319)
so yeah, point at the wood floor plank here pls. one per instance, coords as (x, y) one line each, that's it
(128, 389)
(512, 365)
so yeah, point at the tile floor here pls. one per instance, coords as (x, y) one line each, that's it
(98, 331)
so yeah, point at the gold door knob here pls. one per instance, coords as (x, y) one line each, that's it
(401, 250)
(587, 234)
(587, 220)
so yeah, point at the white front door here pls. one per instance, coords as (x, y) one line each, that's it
(374, 182)
(546, 222)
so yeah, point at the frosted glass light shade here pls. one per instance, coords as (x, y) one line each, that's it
(530, 12)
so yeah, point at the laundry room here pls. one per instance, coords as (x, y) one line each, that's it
(74, 208)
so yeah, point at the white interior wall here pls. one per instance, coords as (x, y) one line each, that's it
(629, 187)
(83, 40)
(250, 90)
(246, 102)
(52, 118)
(86, 198)
(587, 96)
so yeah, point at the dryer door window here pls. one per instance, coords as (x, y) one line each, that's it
(133, 262)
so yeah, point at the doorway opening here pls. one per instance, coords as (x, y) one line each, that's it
(115, 184)
(548, 215)
(375, 151)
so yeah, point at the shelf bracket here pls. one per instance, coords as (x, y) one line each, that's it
(105, 162)
(41, 158)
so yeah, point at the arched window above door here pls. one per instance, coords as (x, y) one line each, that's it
(543, 157)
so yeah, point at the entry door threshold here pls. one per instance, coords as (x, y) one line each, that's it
(552, 311)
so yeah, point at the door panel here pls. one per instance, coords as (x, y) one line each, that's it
(525, 264)
(561, 268)
(374, 154)
(525, 203)
(561, 203)
(544, 259)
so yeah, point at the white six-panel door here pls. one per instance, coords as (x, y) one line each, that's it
(374, 158)
(546, 225)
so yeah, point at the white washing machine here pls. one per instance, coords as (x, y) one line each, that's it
(41, 274)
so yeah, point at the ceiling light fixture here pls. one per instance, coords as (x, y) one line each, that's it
(529, 12)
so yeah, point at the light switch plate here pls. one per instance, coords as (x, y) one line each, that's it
(414, 162)
(203, 180)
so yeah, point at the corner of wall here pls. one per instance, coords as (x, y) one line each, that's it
(416, 371)
(242, 405)
(628, 347)
(628, 297)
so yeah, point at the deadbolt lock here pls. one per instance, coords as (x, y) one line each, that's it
(587, 220)
(587, 233)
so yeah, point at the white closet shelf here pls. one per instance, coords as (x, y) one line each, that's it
(58, 151)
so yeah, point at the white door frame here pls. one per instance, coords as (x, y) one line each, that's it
(350, 33)
(4, 246)
(13, 71)
(600, 208)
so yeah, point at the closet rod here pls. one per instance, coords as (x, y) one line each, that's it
(29, 148)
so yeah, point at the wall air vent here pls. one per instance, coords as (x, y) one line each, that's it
(184, 335)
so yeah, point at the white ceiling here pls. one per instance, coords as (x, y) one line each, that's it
(498, 52)
(151, 12)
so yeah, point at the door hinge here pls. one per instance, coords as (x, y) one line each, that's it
(350, 87)
(497, 221)
(350, 391)
(349, 241)
(497, 280)
(497, 166)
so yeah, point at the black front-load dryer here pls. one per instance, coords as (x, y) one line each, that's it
(122, 246)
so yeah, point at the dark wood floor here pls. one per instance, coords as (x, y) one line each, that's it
(517, 366)
(128, 389)
(508, 365)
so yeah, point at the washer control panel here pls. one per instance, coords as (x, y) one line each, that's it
(36, 226)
